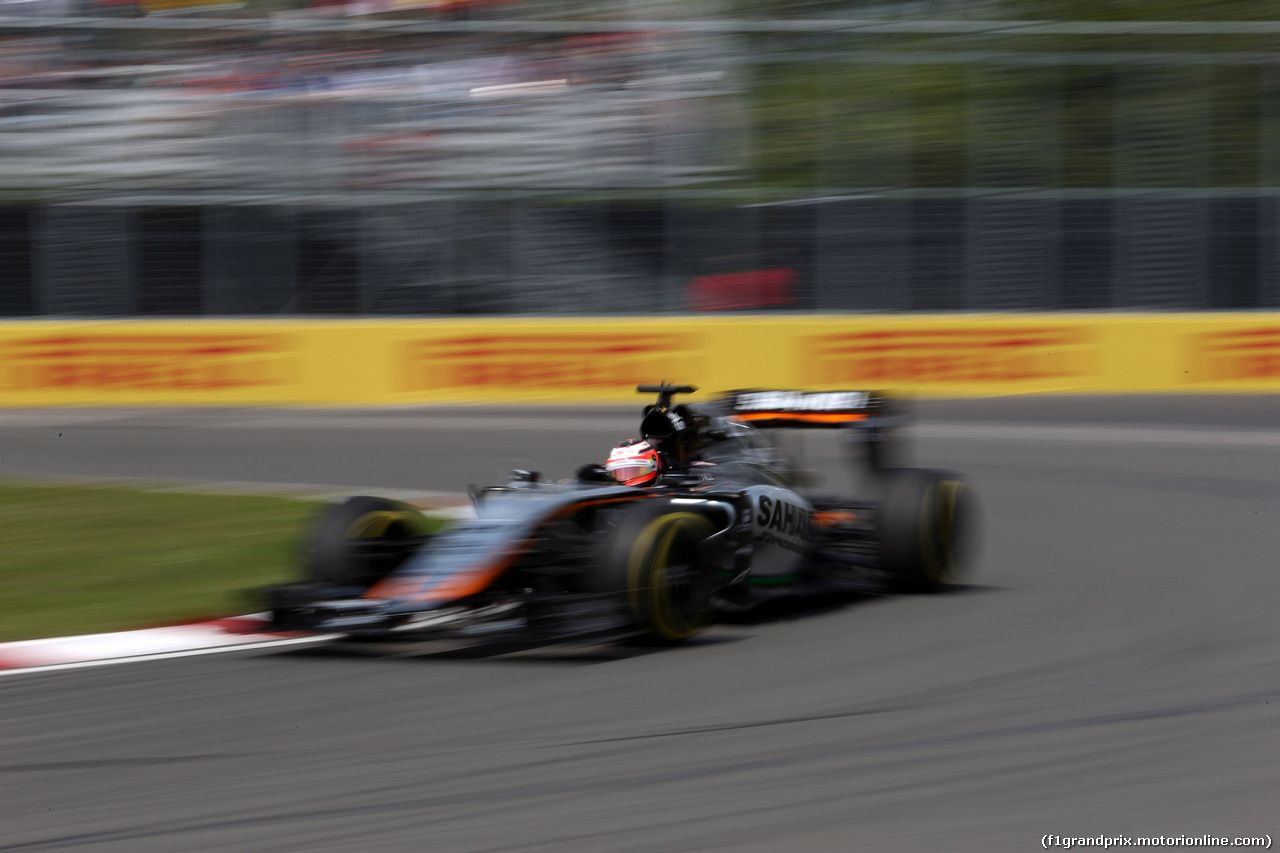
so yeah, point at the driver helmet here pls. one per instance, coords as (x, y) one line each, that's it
(634, 462)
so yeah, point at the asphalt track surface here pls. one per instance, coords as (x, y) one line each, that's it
(1114, 668)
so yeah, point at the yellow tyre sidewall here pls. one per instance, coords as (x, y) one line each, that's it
(377, 524)
(648, 589)
(937, 530)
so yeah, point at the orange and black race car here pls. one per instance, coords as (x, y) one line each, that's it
(723, 519)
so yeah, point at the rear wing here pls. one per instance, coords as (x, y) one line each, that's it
(868, 417)
(807, 408)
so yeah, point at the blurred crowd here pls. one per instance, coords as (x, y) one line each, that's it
(228, 109)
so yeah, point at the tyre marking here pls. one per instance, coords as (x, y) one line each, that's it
(372, 525)
(937, 515)
(664, 529)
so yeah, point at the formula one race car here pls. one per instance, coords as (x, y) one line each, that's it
(713, 516)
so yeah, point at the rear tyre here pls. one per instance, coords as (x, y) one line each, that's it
(659, 563)
(926, 526)
(358, 542)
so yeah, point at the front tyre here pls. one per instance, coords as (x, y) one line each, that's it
(926, 526)
(660, 562)
(359, 541)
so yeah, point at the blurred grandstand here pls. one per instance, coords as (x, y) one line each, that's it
(428, 157)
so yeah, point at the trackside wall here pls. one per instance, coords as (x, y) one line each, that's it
(593, 360)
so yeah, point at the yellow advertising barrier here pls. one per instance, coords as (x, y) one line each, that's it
(594, 360)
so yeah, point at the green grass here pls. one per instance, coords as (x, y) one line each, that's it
(77, 560)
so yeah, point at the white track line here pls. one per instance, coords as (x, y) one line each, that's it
(996, 431)
(46, 418)
(498, 423)
(597, 421)
(1100, 434)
